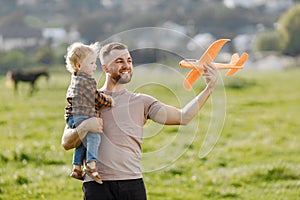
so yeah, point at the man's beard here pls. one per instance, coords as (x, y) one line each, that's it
(123, 79)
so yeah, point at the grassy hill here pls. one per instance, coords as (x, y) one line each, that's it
(256, 155)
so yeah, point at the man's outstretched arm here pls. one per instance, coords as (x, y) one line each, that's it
(170, 115)
(72, 137)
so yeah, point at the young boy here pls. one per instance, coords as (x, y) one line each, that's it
(82, 96)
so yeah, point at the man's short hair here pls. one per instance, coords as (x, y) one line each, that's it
(106, 49)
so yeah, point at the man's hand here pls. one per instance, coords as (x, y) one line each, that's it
(72, 137)
(210, 75)
(92, 124)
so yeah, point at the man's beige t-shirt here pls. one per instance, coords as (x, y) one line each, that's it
(120, 149)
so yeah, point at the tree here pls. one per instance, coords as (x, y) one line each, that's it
(15, 59)
(98, 26)
(45, 56)
(16, 18)
(289, 27)
(7, 6)
(268, 41)
(78, 7)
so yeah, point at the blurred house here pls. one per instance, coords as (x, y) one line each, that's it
(129, 6)
(270, 5)
(278, 5)
(26, 2)
(22, 37)
(58, 36)
(271, 61)
(243, 43)
(169, 36)
(14, 37)
(202, 40)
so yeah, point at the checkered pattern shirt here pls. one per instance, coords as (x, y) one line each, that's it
(83, 97)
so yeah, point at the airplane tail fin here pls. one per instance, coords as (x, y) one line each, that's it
(238, 62)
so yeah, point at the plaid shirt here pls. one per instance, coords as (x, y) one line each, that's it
(83, 97)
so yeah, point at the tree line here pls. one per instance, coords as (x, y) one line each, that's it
(97, 23)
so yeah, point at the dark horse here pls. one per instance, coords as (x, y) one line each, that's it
(26, 76)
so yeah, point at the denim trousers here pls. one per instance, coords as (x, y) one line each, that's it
(89, 147)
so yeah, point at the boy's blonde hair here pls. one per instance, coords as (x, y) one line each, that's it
(106, 49)
(77, 52)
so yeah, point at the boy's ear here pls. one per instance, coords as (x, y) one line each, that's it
(78, 65)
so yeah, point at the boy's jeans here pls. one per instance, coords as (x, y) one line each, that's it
(89, 145)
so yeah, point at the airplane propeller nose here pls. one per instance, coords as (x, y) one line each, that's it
(180, 63)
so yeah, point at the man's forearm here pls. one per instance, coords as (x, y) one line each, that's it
(170, 115)
(193, 107)
(70, 138)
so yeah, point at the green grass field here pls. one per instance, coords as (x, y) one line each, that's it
(256, 156)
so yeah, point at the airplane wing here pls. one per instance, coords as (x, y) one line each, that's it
(213, 50)
(192, 77)
(207, 57)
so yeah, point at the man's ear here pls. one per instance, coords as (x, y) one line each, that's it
(78, 65)
(104, 68)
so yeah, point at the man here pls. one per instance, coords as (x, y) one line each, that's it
(120, 150)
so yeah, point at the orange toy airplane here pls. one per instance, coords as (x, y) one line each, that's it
(235, 64)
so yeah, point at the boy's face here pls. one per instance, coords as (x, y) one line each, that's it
(88, 65)
(119, 64)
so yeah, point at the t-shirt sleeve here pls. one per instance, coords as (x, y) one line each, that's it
(151, 105)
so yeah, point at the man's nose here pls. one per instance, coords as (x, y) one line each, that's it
(126, 64)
